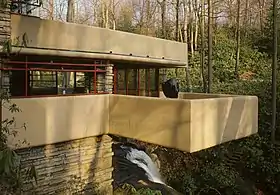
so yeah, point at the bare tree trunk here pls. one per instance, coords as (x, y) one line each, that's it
(202, 26)
(163, 16)
(70, 11)
(112, 2)
(51, 14)
(246, 17)
(188, 77)
(105, 14)
(196, 25)
(69, 18)
(191, 28)
(261, 9)
(210, 45)
(177, 9)
(103, 17)
(163, 29)
(274, 72)
(237, 40)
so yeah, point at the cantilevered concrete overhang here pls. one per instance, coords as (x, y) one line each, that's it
(192, 123)
(48, 37)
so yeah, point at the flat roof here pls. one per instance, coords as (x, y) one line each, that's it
(48, 37)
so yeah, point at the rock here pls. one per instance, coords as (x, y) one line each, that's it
(126, 172)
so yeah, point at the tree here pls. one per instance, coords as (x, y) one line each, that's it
(188, 77)
(177, 10)
(70, 17)
(210, 45)
(202, 47)
(237, 40)
(274, 71)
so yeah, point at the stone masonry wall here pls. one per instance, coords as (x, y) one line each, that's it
(109, 83)
(5, 23)
(5, 32)
(81, 166)
(104, 82)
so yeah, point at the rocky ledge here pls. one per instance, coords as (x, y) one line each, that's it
(125, 172)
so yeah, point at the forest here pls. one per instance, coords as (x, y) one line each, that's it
(232, 37)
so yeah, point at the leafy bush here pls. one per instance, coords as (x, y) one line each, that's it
(12, 174)
(128, 189)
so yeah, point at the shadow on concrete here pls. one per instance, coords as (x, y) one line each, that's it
(229, 120)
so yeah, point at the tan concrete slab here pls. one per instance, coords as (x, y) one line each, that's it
(57, 119)
(218, 120)
(160, 121)
(195, 96)
(191, 124)
(55, 36)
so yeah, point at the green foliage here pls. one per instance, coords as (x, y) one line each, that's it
(128, 189)
(12, 175)
(4, 3)
(246, 166)
(254, 63)
(257, 164)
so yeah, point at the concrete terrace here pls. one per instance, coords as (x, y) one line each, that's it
(190, 124)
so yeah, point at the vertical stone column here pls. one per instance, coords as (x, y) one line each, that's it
(5, 23)
(100, 82)
(109, 79)
(5, 35)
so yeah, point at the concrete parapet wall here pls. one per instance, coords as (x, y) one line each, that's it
(196, 122)
(58, 119)
(196, 96)
(159, 121)
(76, 166)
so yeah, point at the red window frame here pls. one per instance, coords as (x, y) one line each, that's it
(13, 65)
(137, 80)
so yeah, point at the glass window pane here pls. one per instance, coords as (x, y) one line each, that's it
(121, 79)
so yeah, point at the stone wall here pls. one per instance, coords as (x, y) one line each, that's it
(109, 83)
(72, 167)
(5, 23)
(105, 82)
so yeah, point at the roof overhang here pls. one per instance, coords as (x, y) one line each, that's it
(48, 37)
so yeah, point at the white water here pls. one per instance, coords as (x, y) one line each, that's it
(142, 160)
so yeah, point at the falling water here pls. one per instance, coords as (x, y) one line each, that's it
(142, 160)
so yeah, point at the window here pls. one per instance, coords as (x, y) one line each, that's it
(30, 78)
(137, 81)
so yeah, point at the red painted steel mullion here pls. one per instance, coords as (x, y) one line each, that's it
(64, 70)
(13, 69)
(43, 96)
(26, 77)
(53, 70)
(138, 82)
(55, 64)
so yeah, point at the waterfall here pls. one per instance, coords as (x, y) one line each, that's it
(132, 164)
(142, 160)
